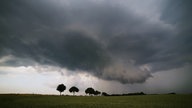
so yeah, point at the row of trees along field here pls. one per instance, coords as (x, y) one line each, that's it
(61, 88)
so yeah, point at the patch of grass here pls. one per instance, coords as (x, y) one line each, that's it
(45, 101)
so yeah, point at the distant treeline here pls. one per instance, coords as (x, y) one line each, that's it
(132, 94)
(128, 94)
(92, 92)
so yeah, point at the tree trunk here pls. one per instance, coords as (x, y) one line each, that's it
(60, 93)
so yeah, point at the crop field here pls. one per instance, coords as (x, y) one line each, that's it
(46, 101)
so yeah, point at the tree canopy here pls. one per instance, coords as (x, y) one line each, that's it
(61, 88)
(97, 92)
(73, 90)
(90, 91)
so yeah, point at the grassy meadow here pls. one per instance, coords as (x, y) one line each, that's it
(46, 101)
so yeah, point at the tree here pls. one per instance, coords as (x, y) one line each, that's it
(61, 88)
(73, 89)
(105, 94)
(97, 92)
(89, 91)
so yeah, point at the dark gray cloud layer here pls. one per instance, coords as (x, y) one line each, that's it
(105, 39)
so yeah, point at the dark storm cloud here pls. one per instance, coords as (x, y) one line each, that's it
(102, 38)
(177, 52)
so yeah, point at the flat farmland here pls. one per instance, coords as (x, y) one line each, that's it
(144, 101)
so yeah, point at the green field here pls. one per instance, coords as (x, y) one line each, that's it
(145, 101)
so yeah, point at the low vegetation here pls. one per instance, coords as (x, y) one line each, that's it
(136, 101)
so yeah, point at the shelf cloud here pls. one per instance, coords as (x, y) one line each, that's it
(106, 39)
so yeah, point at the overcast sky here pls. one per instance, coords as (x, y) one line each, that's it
(116, 46)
